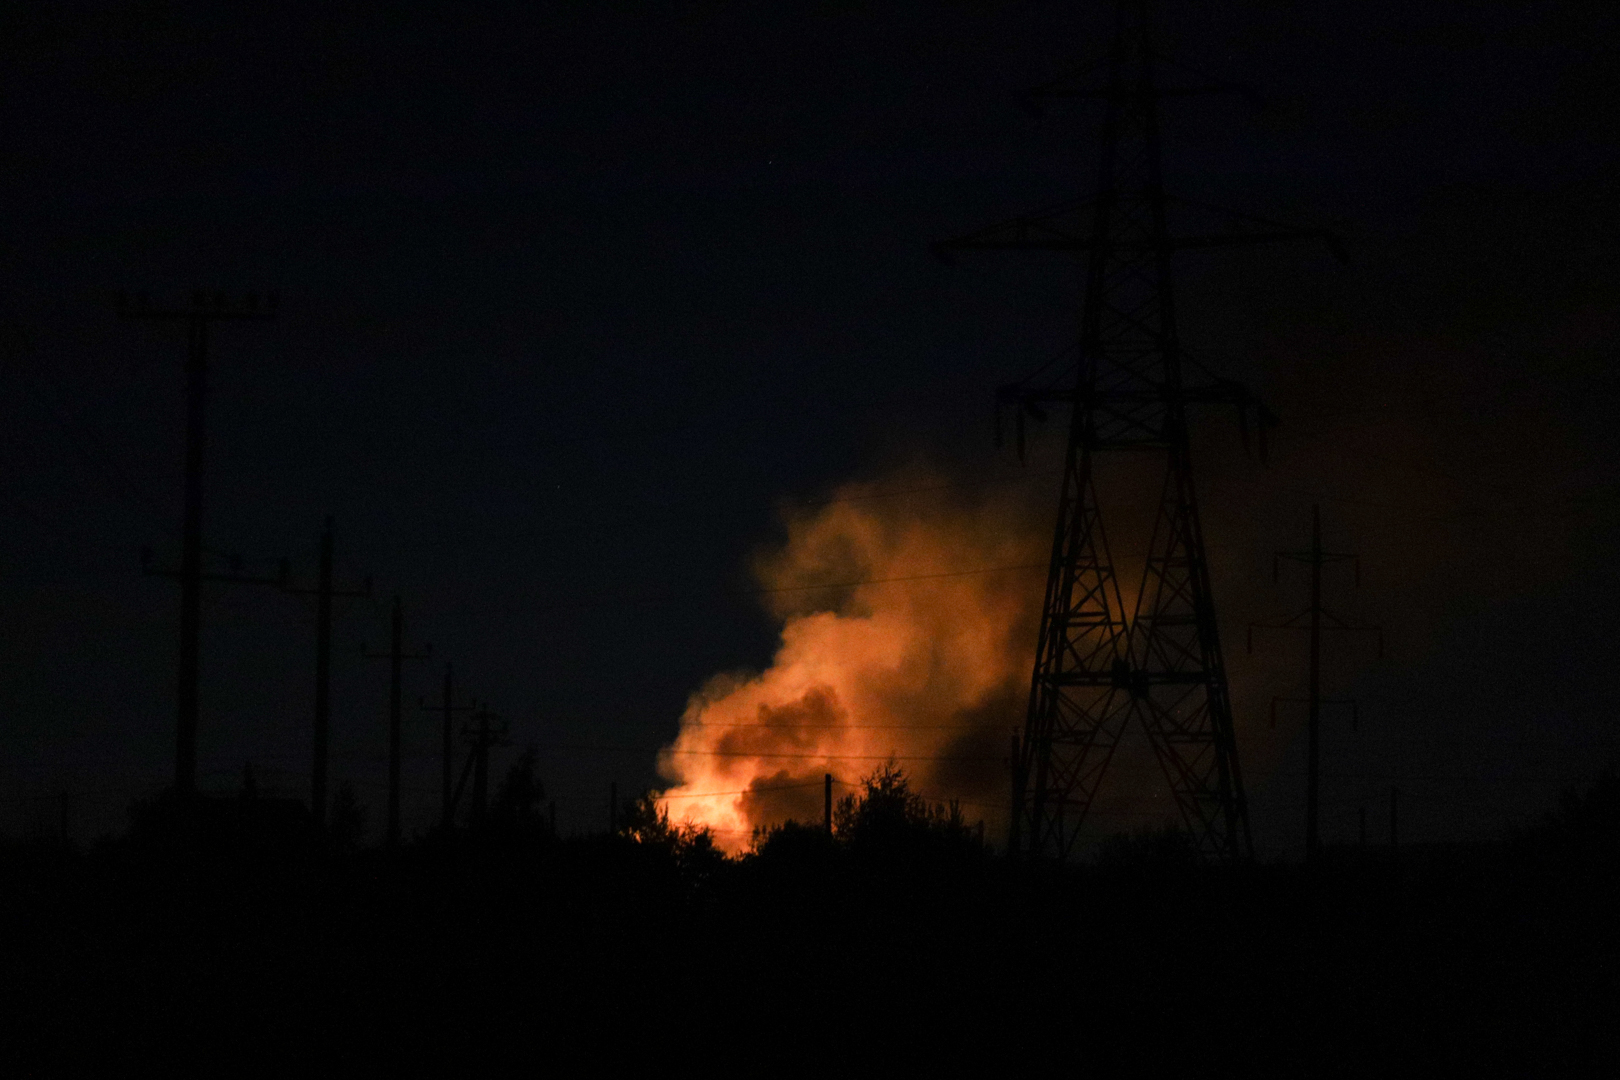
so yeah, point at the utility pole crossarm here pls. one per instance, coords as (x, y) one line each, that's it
(363, 591)
(1301, 621)
(205, 307)
(367, 654)
(233, 576)
(1068, 227)
(213, 306)
(1309, 557)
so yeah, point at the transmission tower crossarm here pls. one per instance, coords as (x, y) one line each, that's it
(1079, 84)
(1051, 231)
(1057, 228)
(1066, 227)
(1269, 230)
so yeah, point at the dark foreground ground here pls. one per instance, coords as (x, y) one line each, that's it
(587, 954)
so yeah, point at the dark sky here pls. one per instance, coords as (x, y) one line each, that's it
(573, 296)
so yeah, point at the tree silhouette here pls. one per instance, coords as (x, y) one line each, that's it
(887, 816)
(1585, 829)
(1152, 847)
(691, 847)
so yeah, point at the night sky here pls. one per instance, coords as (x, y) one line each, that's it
(576, 298)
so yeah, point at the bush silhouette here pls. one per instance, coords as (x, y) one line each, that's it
(1150, 848)
(887, 818)
(690, 847)
(1585, 829)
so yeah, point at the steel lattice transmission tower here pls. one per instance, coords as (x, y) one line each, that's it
(1100, 665)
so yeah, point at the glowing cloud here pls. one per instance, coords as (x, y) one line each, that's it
(907, 631)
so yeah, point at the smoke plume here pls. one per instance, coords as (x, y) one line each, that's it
(908, 625)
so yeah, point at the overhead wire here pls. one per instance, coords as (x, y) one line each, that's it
(683, 597)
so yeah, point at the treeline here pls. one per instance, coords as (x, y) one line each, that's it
(898, 930)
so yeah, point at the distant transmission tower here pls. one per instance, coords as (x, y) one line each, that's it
(1099, 664)
(1316, 620)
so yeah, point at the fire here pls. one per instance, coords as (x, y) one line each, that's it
(907, 633)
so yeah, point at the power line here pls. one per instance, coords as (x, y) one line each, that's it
(840, 727)
(827, 757)
(891, 580)
(683, 597)
(746, 791)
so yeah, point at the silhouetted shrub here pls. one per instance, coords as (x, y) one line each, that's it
(887, 818)
(794, 842)
(1585, 829)
(1150, 848)
(690, 847)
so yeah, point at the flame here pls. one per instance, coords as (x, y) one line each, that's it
(907, 632)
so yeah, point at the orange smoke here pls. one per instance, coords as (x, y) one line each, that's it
(907, 632)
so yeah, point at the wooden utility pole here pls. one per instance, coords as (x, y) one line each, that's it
(324, 592)
(826, 802)
(448, 709)
(1313, 781)
(206, 308)
(484, 737)
(1016, 769)
(396, 656)
(487, 730)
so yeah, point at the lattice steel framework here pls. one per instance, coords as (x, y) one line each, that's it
(1097, 668)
